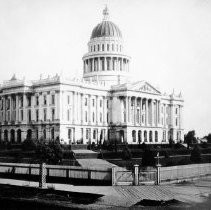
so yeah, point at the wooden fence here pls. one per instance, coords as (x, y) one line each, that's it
(183, 172)
(116, 175)
(71, 172)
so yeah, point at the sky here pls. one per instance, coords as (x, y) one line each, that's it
(169, 42)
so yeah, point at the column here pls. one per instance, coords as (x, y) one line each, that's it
(129, 109)
(126, 109)
(153, 119)
(97, 114)
(111, 65)
(16, 99)
(159, 112)
(93, 64)
(105, 63)
(146, 112)
(98, 62)
(121, 64)
(89, 109)
(140, 111)
(82, 104)
(104, 110)
(135, 111)
(73, 108)
(24, 108)
(89, 65)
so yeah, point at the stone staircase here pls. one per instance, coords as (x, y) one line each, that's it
(85, 154)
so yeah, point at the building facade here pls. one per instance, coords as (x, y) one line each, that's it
(104, 105)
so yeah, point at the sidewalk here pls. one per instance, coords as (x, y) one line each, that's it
(126, 196)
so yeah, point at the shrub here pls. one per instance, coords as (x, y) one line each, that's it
(126, 154)
(195, 155)
(28, 145)
(148, 158)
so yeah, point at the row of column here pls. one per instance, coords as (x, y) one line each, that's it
(78, 110)
(106, 64)
(138, 108)
(18, 103)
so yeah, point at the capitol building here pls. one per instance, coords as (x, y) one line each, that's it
(104, 105)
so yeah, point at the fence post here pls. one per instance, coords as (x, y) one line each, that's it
(113, 175)
(136, 175)
(158, 174)
(42, 182)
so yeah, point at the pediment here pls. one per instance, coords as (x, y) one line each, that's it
(145, 87)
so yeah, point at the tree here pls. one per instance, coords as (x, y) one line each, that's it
(49, 152)
(190, 138)
(208, 138)
(195, 155)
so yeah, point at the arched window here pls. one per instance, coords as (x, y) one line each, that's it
(145, 136)
(139, 136)
(150, 136)
(52, 133)
(134, 135)
(12, 136)
(156, 136)
(44, 134)
(37, 134)
(29, 134)
(19, 136)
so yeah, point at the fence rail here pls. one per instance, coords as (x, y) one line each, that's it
(116, 175)
(74, 172)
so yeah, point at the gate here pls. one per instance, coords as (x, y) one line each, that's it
(148, 177)
(121, 176)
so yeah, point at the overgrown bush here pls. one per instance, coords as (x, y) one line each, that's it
(195, 155)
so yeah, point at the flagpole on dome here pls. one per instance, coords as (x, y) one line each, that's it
(105, 13)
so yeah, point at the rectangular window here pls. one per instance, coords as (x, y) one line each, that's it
(69, 133)
(21, 115)
(93, 102)
(45, 114)
(53, 99)
(37, 100)
(29, 115)
(29, 100)
(44, 100)
(85, 102)
(53, 114)
(37, 115)
(101, 103)
(107, 47)
(87, 133)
